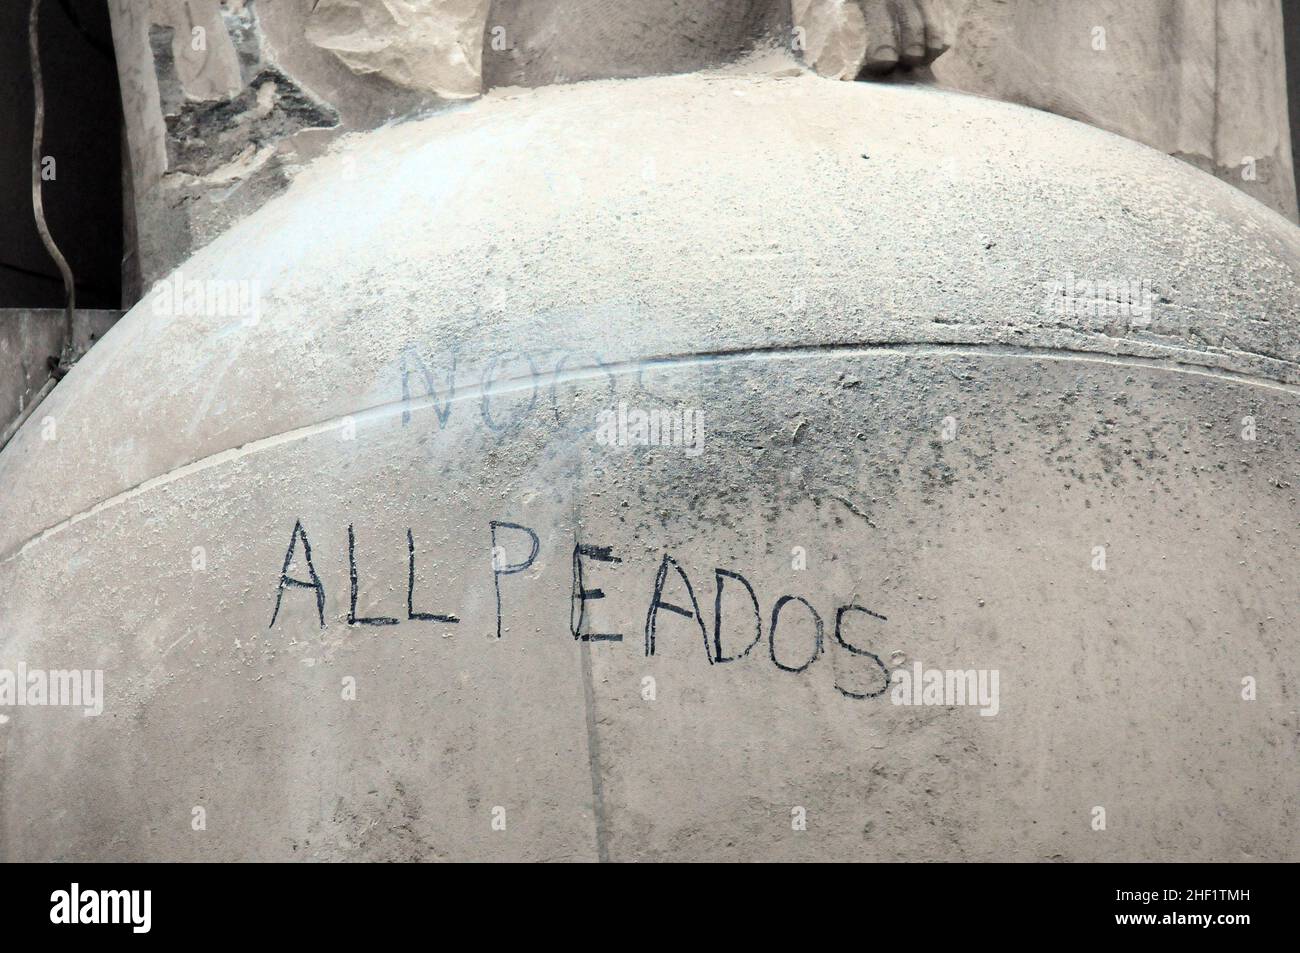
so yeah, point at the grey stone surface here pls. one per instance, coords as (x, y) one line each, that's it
(566, 41)
(433, 47)
(1200, 79)
(214, 133)
(826, 271)
(29, 340)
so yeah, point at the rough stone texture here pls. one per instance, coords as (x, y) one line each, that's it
(434, 46)
(664, 242)
(835, 36)
(1204, 80)
(29, 339)
(538, 44)
(213, 133)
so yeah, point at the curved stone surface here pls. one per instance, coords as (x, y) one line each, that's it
(850, 295)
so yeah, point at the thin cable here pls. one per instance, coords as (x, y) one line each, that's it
(38, 131)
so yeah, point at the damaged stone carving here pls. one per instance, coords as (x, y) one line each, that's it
(428, 45)
(205, 137)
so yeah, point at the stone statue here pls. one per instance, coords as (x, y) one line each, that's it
(224, 102)
(539, 42)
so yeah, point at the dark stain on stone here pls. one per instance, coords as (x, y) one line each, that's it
(202, 137)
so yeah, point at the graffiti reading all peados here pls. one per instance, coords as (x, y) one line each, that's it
(513, 548)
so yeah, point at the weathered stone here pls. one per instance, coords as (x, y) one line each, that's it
(433, 46)
(204, 137)
(215, 123)
(835, 36)
(31, 342)
(906, 410)
(539, 44)
(1173, 75)
(1198, 79)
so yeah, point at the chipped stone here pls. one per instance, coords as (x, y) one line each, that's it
(430, 45)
